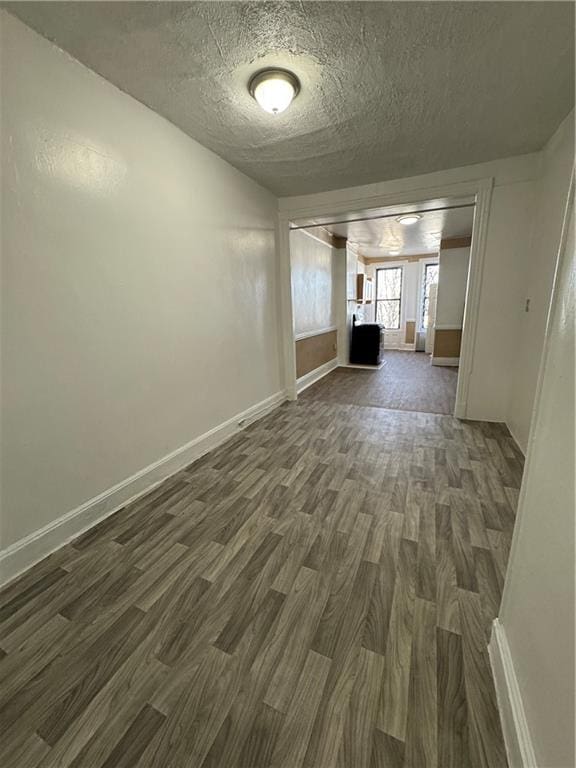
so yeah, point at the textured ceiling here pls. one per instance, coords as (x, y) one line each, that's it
(386, 236)
(389, 89)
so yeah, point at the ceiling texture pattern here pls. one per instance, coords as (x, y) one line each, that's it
(389, 89)
(388, 237)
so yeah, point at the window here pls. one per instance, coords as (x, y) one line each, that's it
(388, 295)
(430, 277)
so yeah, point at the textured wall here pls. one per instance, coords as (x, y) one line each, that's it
(139, 286)
(312, 283)
(535, 279)
(537, 611)
(452, 281)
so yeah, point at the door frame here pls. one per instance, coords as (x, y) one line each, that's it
(410, 192)
(397, 333)
(419, 314)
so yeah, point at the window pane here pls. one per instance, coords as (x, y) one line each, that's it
(388, 313)
(430, 277)
(389, 283)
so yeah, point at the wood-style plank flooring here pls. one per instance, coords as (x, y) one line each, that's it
(317, 592)
(406, 382)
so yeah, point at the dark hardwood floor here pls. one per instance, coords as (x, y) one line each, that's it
(317, 592)
(406, 382)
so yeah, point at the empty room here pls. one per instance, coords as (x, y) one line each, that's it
(288, 296)
(381, 296)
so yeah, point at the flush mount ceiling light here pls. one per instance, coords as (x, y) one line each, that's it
(409, 218)
(274, 89)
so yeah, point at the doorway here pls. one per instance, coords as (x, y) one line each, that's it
(400, 288)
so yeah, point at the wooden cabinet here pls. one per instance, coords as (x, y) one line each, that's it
(364, 289)
(351, 269)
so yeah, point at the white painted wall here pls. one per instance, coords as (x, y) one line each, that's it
(351, 271)
(340, 303)
(313, 298)
(452, 279)
(411, 290)
(511, 212)
(536, 275)
(351, 305)
(431, 329)
(537, 612)
(139, 293)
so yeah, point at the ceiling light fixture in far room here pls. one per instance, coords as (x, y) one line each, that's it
(409, 218)
(274, 89)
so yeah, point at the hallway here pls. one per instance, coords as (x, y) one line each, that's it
(406, 382)
(316, 592)
(202, 205)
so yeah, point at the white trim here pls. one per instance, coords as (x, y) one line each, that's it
(399, 262)
(401, 265)
(366, 197)
(24, 553)
(473, 292)
(405, 258)
(445, 361)
(287, 312)
(309, 334)
(315, 237)
(458, 180)
(313, 376)
(517, 739)
(364, 367)
(447, 327)
(420, 295)
(400, 346)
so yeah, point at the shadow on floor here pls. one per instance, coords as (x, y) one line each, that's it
(406, 382)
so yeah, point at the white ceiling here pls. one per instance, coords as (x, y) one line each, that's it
(388, 237)
(389, 89)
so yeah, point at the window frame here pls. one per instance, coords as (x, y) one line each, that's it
(399, 267)
(432, 261)
(422, 292)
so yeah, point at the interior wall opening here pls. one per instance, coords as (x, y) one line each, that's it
(380, 295)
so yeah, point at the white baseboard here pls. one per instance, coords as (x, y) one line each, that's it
(23, 554)
(514, 725)
(318, 373)
(401, 346)
(445, 361)
(363, 367)
(310, 334)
